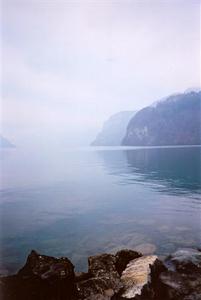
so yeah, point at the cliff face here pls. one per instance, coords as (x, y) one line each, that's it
(173, 121)
(114, 129)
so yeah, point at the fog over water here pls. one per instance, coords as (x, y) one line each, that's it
(68, 65)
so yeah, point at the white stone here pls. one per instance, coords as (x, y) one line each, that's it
(137, 275)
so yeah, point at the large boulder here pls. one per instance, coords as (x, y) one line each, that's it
(47, 267)
(104, 273)
(126, 275)
(139, 278)
(123, 257)
(104, 281)
(183, 279)
(42, 277)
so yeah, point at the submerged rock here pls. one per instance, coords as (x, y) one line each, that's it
(185, 260)
(146, 249)
(183, 279)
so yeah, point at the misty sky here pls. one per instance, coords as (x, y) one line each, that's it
(69, 65)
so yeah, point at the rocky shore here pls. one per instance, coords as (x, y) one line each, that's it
(126, 275)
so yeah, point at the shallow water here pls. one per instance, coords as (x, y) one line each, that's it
(82, 202)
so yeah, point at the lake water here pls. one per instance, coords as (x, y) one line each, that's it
(82, 202)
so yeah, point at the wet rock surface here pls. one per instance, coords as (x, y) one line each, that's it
(126, 275)
(185, 260)
(42, 277)
(123, 257)
(139, 278)
(104, 281)
(182, 281)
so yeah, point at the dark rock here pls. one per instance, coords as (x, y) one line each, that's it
(80, 276)
(178, 286)
(156, 269)
(193, 296)
(123, 257)
(126, 275)
(96, 288)
(102, 264)
(183, 280)
(42, 277)
(46, 267)
(185, 260)
(105, 280)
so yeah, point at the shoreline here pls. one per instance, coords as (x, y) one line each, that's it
(125, 275)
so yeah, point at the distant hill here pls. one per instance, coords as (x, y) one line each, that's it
(114, 129)
(175, 120)
(4, 143)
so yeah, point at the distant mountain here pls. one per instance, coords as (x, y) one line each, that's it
(193, 89)
(175, 120)
(4, 143)
(114, 129)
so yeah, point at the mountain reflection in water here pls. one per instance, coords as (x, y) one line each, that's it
(83, 202)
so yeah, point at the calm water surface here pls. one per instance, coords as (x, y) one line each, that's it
(82, 202)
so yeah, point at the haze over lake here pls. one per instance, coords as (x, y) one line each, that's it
(79, 202)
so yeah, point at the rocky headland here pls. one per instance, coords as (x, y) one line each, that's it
(126, 275)
(174, 120)
(114, 129)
